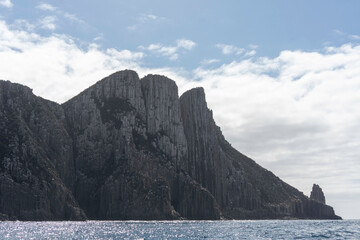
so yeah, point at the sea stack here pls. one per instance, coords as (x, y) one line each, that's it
(317, 194)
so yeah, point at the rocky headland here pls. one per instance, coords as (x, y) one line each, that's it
(130, 148)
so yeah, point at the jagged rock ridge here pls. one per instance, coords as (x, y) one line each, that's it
(127, 148)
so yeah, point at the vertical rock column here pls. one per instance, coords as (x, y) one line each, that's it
(163, 117)
(317, 194)
(200, 131)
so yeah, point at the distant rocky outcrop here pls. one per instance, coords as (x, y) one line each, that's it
(317, 194)
(130, 148)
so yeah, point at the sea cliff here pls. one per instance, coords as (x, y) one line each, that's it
(130, 148)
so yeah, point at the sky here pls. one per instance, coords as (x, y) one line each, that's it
(282, 77)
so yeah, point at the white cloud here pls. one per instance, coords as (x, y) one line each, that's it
(6, 3)
(253, 46)
(73, 18)
(23, 25)
(46, 7)
(143, 19)
(48, 22)
(51, 19)
(55, 64)
(186, 44)
(354, 37)
(232, 50)
(209, 61)
(124, 55)
(250, 53)
(172, 52)
(167, 51)
(99, 38)
(229, 49)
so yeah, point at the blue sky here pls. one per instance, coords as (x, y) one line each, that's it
(271, 25)
(282, 77)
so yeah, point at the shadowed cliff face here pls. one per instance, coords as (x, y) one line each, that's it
(129, 148)
(317, 194)
(105, 121)
(36, 165)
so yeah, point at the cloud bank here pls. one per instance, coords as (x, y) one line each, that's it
(56, 67)
(296, 114)
(6, 3)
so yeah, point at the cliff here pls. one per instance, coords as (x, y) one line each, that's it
(37, 168)
(130, 148)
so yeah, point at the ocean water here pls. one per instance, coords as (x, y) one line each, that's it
(267, 229)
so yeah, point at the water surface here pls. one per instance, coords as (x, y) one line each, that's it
(264, 229)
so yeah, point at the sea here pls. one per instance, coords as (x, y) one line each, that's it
(259, 229)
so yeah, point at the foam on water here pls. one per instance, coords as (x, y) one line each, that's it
(266, 229)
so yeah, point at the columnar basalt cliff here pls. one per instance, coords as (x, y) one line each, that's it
(130, 148)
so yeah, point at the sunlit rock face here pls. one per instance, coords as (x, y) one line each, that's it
(130, 148)
(163, 117)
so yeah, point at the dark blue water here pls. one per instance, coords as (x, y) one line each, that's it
(271, 229)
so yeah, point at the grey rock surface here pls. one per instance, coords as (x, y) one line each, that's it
(130, 148)
(163, 117)
(36, 164)
(128, 138)
(317, 194)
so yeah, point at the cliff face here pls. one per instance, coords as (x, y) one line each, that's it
(36, 165)
(163, 117)
(243, 189)
(127, 148)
